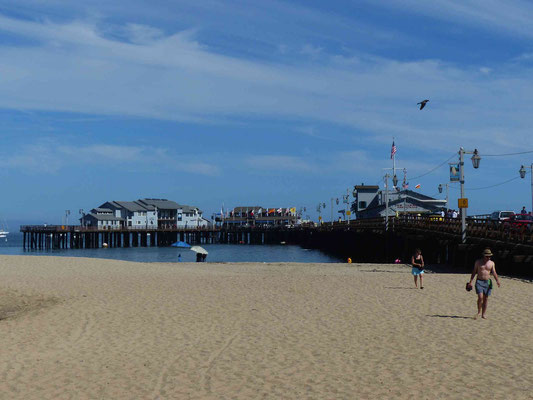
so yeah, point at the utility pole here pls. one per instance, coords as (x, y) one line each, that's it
(387, 202)
(475, 162)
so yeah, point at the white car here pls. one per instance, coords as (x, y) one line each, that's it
(501, 215)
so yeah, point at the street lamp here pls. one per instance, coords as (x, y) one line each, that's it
(319, 210)
(475, 163)
(475, 159)
(523, 175)
(440, 191)
(82, 217)
(67, 213)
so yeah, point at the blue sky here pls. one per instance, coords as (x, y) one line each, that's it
(267, 103)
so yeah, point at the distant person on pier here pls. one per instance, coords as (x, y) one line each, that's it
(417, 261)
(179, 257)
(524, 211)
(483, 268)
(204, 257)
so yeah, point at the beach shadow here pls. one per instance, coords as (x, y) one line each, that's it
(449, 316)
(400, 287)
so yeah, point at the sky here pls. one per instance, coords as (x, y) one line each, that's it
(271, 103)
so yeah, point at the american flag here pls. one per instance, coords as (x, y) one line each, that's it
(392, 150)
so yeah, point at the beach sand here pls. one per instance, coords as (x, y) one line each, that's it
(76, 328)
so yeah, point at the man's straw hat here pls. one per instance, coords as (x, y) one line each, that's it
(487, 252)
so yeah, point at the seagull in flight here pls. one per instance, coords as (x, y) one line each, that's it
(423, 103)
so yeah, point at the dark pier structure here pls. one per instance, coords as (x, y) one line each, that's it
(51, 237)
(363, 240)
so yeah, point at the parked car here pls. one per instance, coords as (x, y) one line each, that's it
(501, 215)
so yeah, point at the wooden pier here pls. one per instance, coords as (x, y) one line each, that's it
(51, 237)
(364, 240)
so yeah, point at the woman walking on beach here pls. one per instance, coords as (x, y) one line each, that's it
(417, 261)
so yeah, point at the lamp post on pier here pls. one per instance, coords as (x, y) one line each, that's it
(447, 188)
(523, 175)
(394, 183)
(346, 200)
(463, 202)
(319, 210)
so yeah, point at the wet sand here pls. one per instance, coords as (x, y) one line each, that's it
(75, 328)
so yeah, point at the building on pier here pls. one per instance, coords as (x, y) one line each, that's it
(264, 216)
(172, 214)
(133, 213)
(370, 202)
(144, 214)
(102, 218)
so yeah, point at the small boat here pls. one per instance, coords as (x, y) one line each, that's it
(3, 230)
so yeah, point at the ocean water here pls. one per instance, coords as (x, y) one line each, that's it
(217, 253)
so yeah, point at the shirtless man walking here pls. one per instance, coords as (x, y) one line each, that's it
(483, 268)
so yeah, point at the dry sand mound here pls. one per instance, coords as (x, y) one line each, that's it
(14, 303)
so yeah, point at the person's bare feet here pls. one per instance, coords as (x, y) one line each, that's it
(484, 317)
(421, 287)
(477, 316)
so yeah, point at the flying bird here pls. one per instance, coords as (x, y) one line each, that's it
(423, 103)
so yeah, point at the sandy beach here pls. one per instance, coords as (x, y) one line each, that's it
(76, 328)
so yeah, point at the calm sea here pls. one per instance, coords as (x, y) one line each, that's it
(217, 253)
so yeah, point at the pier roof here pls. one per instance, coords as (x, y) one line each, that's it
(369, 187)
(99, 209)
(162, 204)
(103, 217)
(132, 206)
(186, 208)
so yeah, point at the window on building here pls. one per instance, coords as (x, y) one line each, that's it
(362, 204)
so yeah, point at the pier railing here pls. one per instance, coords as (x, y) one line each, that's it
(478, 228)
(78, 228)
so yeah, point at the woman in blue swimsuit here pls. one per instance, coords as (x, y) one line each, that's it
(417, 261)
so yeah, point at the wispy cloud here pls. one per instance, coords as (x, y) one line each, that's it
(513, 16)
(350, 163)
(50, 158)
(146, 73)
